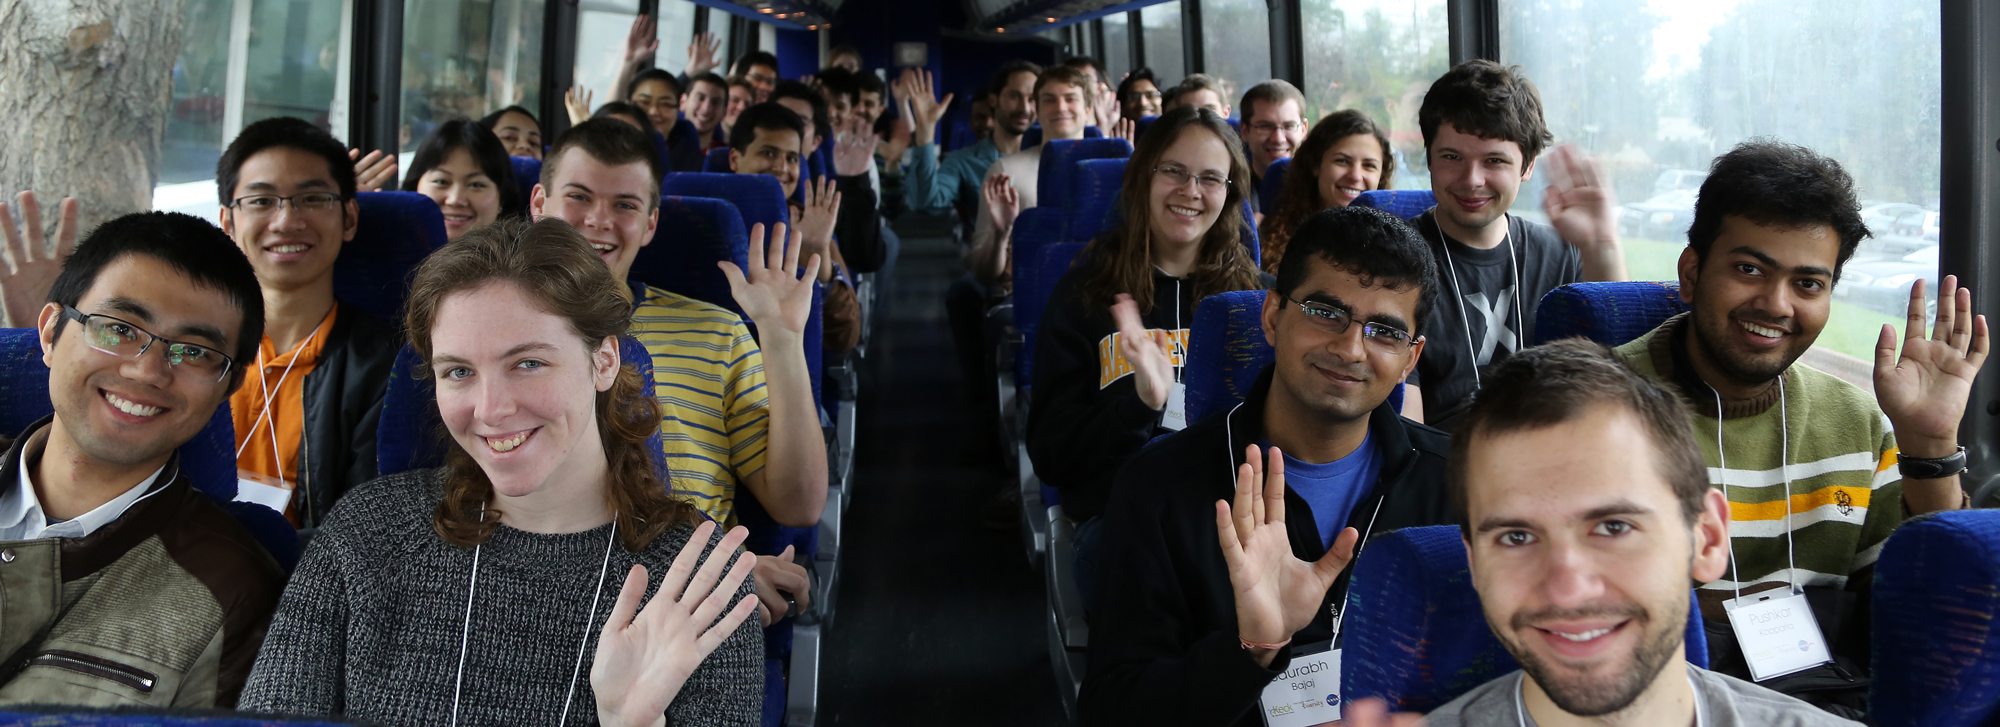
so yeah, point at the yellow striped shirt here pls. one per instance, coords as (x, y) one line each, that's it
(708, 376)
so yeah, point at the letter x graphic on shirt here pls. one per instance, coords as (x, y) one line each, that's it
(1497, 317)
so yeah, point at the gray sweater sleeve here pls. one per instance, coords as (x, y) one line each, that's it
(299, 669)
(728, 687)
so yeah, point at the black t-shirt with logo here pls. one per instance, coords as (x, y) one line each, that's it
(1482, 316)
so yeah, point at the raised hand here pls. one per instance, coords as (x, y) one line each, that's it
(816, 221)
(900, 131)
(1003, 202)
(1584, 211)
(1276, 593)
(577, 101)
(644, 656)
(642, 42)
(1126, 129)
(31, 269)
(374, 172)
(1152, 363)
(854, 149)
(776, 573)
(926, 109)
(1924, 391)
(772, 295)
(703, 55)
(1106, 106)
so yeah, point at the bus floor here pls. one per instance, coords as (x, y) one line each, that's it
(939, 620)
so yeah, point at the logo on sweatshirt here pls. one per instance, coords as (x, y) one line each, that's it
(1111, 363)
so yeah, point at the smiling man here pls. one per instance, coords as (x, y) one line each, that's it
(1817, 472)
(704, 104)
(1274, 124)
(306, 414)
(1483, 131)
(129, 587)
(1189, 633)
(1062, 103)
(1582, 562)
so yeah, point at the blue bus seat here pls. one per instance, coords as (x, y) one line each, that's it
(961, 135)
(1098, 183)
(1608, 313)
(527, 174)
(717, 161)
(209, 459)
(1272, 185)
(397, 230)
(694, 233)
(1250, 241)
(1404, 203)
(1056, 181)
(1035, 277)
(1140, 126)
(1226, 352)
(1415, 634)
(1235, 124)
(758, 198)
(1937, 597)
(49, 716)
(1034, 135)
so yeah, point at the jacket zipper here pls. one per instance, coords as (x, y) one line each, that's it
(98, 667)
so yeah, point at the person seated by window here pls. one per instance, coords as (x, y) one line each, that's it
(1139, 94)
(760, 68)
(658, 93)
(464, 168)
(1103, 101)
(705, 104)
(1063, 106)
(163, 596)
(766, 141)
(1204, 91)
(517, 129)
(953, 182)
(1111, 344)
(391, 619)
(839, 90)
(306, 414)
(735, 416)
(1773, 225)
(1483, 133)
(1582, 562)
(742, 93)
(1274, 125)
(1346, 154)
(1332, 461)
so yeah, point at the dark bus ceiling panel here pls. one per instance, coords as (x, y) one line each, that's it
(787, 14)
(1034, 16)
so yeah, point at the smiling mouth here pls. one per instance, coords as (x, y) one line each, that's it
(1184, 211)
(1350, 191)
(1758, 330)
(509, 443)
(1583, 636)
(131, 407)
(288, 248)
(603, 248)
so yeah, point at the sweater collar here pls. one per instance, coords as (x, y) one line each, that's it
(1668, 349)
(1386, 429)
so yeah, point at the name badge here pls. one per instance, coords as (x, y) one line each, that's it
(1778, 633)
(1307, 693)
(263, 489)
(1176, 416)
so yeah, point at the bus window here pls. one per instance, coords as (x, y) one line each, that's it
(1657, 90)
(1117, 47)
(466, 58)
(1378, 56)
(1162, 25)
(1235, 43)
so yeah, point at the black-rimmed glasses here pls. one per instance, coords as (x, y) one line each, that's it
(124, 339)
(1335, 319)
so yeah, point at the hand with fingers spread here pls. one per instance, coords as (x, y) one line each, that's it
(854, 149)
(703, 55)
(1925, 390)
(645, 655)
(577, 101)
(1126, 129)
(1584, 210)
(373, 173)
(775, 294)
(816, 221)
(1276, 593)
(31, 268)
(777, 575)
(1152, 363)
(642, 42)
(1003, 203)
(925, 109)
(1106, 107)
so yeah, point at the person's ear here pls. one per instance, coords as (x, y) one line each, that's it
(228, 221)
(735, 160)
(652, 226)
(1416, 352)
(1689, 268)
(537, 197)
(1711, 538)
(350, 219)
(1273, 303)
(46, 323)
(605, 371)
(1528, 172)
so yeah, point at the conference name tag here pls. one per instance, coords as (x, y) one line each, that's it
(1176, 416)
(1778, 633)
(263, 489)
(1308, 693)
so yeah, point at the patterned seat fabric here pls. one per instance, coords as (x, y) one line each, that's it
(1095, 201)
(1936, 644)
(1057, 180)
(397, 230)
(758, 198)
(717, 161)
(1226, 352)
(1272, 184)
(1404, 203)
(1608, 313)
(527, 173)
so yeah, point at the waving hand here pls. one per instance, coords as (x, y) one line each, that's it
(1276, 593)
(644, 656)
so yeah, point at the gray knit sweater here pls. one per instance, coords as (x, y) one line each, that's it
(371, 622)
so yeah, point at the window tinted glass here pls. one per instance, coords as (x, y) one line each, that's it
(1234, 44)
(1162, 24)
(1379, 56)
(467, 58)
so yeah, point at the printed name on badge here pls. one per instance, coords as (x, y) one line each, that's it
(1307, 693)
(1778, 633)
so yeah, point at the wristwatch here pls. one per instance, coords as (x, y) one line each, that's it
(1919, 468)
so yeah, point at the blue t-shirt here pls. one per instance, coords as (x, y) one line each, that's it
(1335, 488)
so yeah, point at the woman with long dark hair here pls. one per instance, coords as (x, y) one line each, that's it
(1346, 154)
(464, 168)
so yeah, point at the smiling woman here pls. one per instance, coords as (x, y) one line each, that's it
(463, 167)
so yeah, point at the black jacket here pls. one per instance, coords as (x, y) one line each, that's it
(343, 403)
(858, 225)
(1081, 427)
(1163, 645)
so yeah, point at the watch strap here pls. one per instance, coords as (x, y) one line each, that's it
(1921, 468)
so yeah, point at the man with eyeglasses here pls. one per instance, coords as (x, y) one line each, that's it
(312, 395)
(1274, 124)
(1226, 545)
(125, 585)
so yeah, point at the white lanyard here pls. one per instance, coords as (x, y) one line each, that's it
(1784, 470)
(1521, 706)
(465, 635)
(1451, 273)
(277, 458)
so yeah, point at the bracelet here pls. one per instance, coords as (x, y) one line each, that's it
(1920, 468)
(1249, 645)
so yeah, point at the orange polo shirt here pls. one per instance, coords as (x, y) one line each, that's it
(262, 454)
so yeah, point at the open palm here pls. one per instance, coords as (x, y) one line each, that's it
(644, 656)
(1276, 593)
(31, 267)
(773, 293)
(1924, 391)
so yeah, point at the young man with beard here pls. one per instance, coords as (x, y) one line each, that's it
(1315, 460)
(931, 184)
(1483, 131)
(1582, 562)
(1062, 99)
(1274, 125)
(1816, 471)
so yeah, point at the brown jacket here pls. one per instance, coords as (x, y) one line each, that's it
(165, 606)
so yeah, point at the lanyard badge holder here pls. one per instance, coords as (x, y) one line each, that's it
(1776, 629)
(1308, 693)
(272, 492)
(1174, 418)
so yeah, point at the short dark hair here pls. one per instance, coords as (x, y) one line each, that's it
(753, 58)
(1376, 246)
(867, 82)
(486, 151)
(1557, 382)
(738, 81)
(1085, 63)
(654, 74)
(283, 131)
(839, 81)
(843, 50)
(768, 116)
(1007, 70)
(1275, 92)
(1132, 79)
(493, 119)
(1771, 182)
(186, 243)
(1490, 101)
(710, 78)
(799, 90)
(611, 142)
(621, 108)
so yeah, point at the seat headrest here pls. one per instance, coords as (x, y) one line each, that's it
(397, 230)
(1272, 185)
(1226, 351)
(1052, 261)
(717, 161)
(1608, 313)
(757, 197)
(527, 173)
(1404, 203)
(1936, 602)
(693, 235)
(1056, 180)
(1098, 184)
